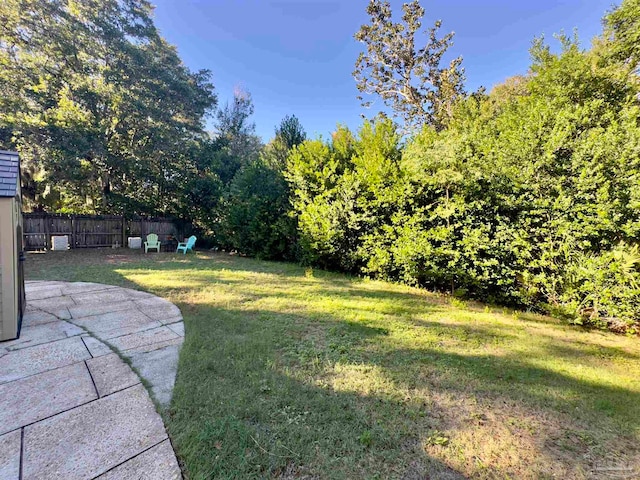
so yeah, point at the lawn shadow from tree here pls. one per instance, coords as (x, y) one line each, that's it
(78, 266)
(506, 388)
(262, 419)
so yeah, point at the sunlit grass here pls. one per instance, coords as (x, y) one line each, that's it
(287, 372)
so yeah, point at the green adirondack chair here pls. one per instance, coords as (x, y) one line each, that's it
(151, 243)
(188, 245)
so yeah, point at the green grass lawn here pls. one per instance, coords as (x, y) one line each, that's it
(289, 372)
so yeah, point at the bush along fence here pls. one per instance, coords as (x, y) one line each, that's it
(95, 231)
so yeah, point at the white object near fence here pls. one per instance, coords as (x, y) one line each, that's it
(135, 242)
(60, 242)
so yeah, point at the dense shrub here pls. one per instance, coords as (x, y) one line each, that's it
(257, 221)
(342, 189)
(604, 289)
(530, 197)
(257, 218)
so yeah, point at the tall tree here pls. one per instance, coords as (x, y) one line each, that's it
(101, 107)
(289, 134)
(622, 29)
(405, 69)
(235, 131)
(258, 219)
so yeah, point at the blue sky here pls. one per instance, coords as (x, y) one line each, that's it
(296, 57)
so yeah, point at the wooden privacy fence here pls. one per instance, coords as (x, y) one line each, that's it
(93, 231)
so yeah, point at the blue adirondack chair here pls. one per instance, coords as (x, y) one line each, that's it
(188, 245)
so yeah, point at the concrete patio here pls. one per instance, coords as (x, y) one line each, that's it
(70, 407)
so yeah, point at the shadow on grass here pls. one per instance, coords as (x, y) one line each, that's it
(243, 409)
(589, 352)
(84, 266)
(506, 374)
(263, 396)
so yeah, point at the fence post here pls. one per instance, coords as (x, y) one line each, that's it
(124, 233)
(47, 237)
(73, 231)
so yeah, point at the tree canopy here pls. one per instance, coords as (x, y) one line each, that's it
(100, 106)
(403, 66)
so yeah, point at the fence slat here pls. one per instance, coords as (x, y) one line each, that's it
(47, 236)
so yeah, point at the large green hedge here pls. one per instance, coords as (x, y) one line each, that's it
(530, 197)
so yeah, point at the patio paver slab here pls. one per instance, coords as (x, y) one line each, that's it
(54, 305)
(156, 463)
(111, 374)
(159, 368)
(171, 320)
(40, 396)
(44, 292)
(84, 287)
(37, 317)
(10, 455)
(87, 310)
(100, 297)
(92, 439)
(38, 334)
(40, 358)
(132, 352)
(35, 285)
(116, 324)
(158, 307)
(96, 347)
(177, 327)
(148, 337)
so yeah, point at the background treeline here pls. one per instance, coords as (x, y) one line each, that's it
(528, 195)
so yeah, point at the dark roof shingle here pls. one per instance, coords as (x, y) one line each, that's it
(9, 173)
